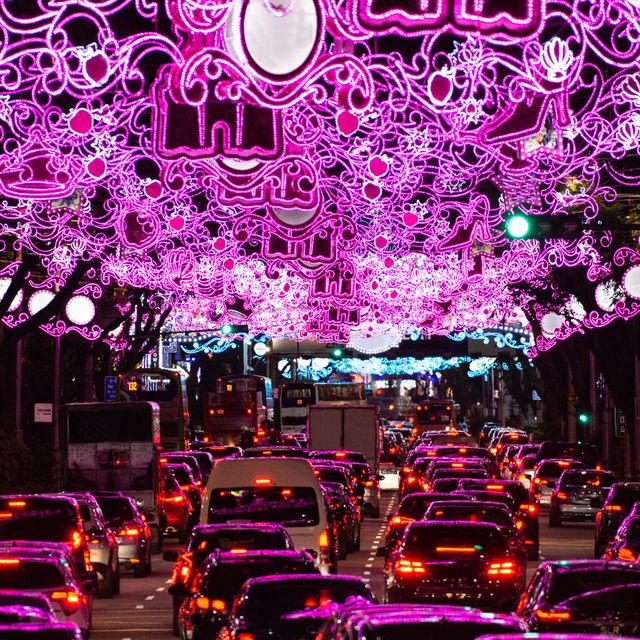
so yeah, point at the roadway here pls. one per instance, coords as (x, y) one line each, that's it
(142, 610)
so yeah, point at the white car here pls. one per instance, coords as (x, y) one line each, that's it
(48, 568)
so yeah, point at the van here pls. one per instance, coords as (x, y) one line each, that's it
(278, 490)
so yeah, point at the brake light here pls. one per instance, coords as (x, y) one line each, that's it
(406, 469)
(457, 465)
(68, 600)
(552, 616)
(495, 487)
(17, 504)
(561, 495)
(246, 636)
(323, 540)
(540, 481)
(174, 499)
(369, 483)
(563, 463)
(425, 486)
(522, 476)
(9, 562)
(411, 480)
(267, 452)
(392, 450)
(164, 460)
(414, 431)
(503, 569)
(431, 454)
(261, 433)
(400, 520)
(410, 567)
(613, 507)
(263, 481)
(76, 540)
(341, 454)
(249, 411)
(456, 549)
(237, 551)
(5, 515)
(286, 493)
(493, 450)
(519, 525)
(129, 531)
(205, 604)
(627, 555)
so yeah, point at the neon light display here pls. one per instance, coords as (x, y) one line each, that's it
(337, 183)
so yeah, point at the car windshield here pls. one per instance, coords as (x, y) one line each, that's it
(471, 513)
(587, 479)
(116, 509)
(568, 584)
(271, 601)
(224, 581)
(25, 574)
(290, 506)
(625, 496)
(47, 523)
(621, 600)
(433, 629)
(240, 539)
(434, 542)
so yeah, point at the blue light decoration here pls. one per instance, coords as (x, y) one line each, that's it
(213, 344)
(503, 337)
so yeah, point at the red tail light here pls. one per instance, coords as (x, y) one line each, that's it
(323, 540)
(626, 555)
(552, 616)
(410, 567)
(129, 531)
(174, 499)
(504, 569)
(369, 483)
(529, 508)
(411, 480)
(561, 495)
(76, 540)
(205, 604)
(69, 600)
(613, 507)
(406, 469)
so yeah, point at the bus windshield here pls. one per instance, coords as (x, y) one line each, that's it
(345, 392)
(298, 395)
(435, 414)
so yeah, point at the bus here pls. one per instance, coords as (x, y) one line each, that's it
(241, 407)
(114, 446)
(167, 388)
(295, 397)
(434, 415)
(341, 393)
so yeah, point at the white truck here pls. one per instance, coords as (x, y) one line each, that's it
(349, 429)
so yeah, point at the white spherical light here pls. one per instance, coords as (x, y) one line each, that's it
(4, 285)
(39, 301)
(631, 282)
(80, 310)
(550, 322)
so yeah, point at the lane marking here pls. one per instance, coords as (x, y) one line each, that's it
(168, 581)
(160, 589)
(149, 597)
(139, 606)
(366, 573)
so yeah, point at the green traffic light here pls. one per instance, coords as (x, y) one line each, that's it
(583, 417)
(518, 226)
(337, 352)
(226, 329)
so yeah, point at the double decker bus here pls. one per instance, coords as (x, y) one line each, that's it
(434, 415)
(295, 397)
(241, 406)
(167, 388)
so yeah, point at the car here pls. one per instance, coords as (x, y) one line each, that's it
(619, 501)
(455, 475)
(347, 516)
(404, 622)
(626, 544)
(578, 495)
(47, 568)
(205, 461)
(103, 545)
(586, 596)
(342, 474)
(176, 512)
(188, 483)
(475, 511)
(412, 507)
(583, 451)
(291, 607)
(205, 539)
(9, 597)
(523, 469)
(425, 468)
(21, 614)
(281, 490)
(132, 532)
(545, 475)
(454, 563)
(190, 459)
(205, 608)
(48, 518)
(41, 631)
(526, 513)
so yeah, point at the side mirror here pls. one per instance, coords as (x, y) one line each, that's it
(170, 555)
(89, 581)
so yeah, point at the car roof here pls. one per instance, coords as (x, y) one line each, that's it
(256, 556)
(271, 527)
(316, 578)
(8, 596)
(36, 547)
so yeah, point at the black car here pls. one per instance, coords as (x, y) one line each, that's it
(206, 538)
(583, 596)
(526, 512)
(291, 607)
(206, 607)
(454, 562)
(346, 514)
(626, 545)
(578, 495)
(619, 501)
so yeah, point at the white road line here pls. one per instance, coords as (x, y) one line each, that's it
(149, 597)
(369, 565)
(167, 581)
(366, 573)
(160, 589)
(139, 606)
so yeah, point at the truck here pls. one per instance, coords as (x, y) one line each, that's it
(114, 446)
(350, 428)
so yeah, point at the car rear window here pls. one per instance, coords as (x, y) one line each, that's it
(342, 456)
(587, 453)
(332, 475)
(471, 513)
(588, 479)
(439, 541)
(241, 539)
(50, 522)
(116, 509)
(553, 470)
(433, 629)
(625, 496)
(27, 574)
(273, 601)
(290, 506)
(568, 584)
(415, 506)
(223, 582)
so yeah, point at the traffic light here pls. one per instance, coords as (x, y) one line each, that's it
(584, 417)
(233, 329)
(524, 226)
(337, 353)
